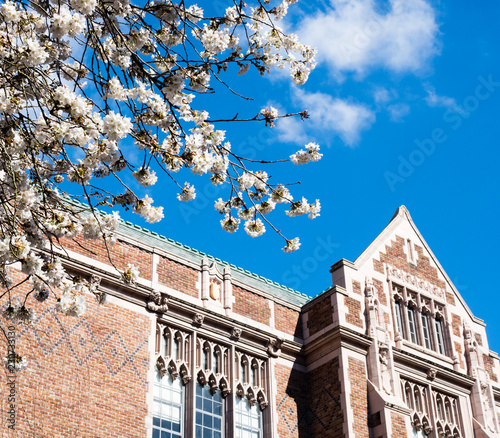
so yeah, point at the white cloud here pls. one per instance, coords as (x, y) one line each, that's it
(398, 111)
(329, 117)
(355, 36)
(434, 99)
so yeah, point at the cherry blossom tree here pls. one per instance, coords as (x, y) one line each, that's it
(84, 82)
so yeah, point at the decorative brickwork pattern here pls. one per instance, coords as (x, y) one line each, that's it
(251, 305)
(382, 297)
(354, 314)
(456, 324)
(398, 426)
(359, 399)
(288, 320)
(489, 367)
(378, 266)
(177, 276)
(450, 298)
(291, 402)
(326, 415)
(121, 254)
(320, 315)
(395, 256)
(356, 287)
(86, 376)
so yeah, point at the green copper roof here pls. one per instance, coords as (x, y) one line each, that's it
(153, 239)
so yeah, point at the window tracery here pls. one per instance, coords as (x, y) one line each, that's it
(418, 319)
(431, 410)
(181, 354)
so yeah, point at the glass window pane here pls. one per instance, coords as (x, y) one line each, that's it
(168, 408)
(247, 419)
(209, 413)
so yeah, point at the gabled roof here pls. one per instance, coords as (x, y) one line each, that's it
(400, 216)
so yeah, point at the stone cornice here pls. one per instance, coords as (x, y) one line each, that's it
(415, 365)
(334, 339)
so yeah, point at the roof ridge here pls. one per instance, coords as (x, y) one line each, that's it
(198, 252)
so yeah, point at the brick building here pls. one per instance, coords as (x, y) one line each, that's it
(199, 348)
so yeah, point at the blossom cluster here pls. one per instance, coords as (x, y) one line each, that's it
(92, 93)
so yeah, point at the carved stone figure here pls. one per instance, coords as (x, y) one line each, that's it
(235, 333)
(274, 347)
(383, 355)
(489, 419)
(157, 302)
(431, 374)
(198, 319)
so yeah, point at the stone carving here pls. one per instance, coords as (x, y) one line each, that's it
(383, 355)
(489, 418)
(198, 319)
(415, 282)
(161, 366)
(431, 374)
(157, 302)
(235, 333)
(274, 347)
(261, 399)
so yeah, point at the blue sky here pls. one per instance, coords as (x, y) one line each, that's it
(390, 77)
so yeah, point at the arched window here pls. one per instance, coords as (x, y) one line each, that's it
(418, 400)
(204, 356)
(215, 362)
(176, 347)
(399, 317)
(243, 370)
(447, 406)
(412, 325)
(426, 330)
(408, 396)
(440, 337)
(440, 408)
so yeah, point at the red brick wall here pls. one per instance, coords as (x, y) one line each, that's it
(456, 324)
(177, 276)
(251, 305)
(359, 397)
(378, 266)
(121, 254)
(398, 426)
(291, 402)
(320, 315)
(288, 320)
(395, 256)
(450, 298)
(354, 314)
(86, 377)
(489, 367)
(356, 287)
(326, 416)
(382, 297)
